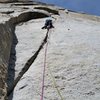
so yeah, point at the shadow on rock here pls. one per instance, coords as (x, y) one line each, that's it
(11, 66)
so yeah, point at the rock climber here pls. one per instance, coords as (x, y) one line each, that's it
(48, 24)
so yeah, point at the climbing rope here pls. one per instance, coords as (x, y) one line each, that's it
(55, 84)
(45, 56)
(44, 70)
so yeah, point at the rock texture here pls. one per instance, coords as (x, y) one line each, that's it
(6, 30)
(73, 59)
(7, 1)
(7, 36)
(73, 53)
(3, 1)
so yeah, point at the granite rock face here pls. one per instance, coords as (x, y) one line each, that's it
(8, 40)
(4, 1)
(73, 53)
(73, 56)
(7, 1)
(6, 36)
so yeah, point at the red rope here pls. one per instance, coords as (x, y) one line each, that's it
(45, 58)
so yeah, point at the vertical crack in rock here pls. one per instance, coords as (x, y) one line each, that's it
(23, 17)
(27, 65)
(12, 60)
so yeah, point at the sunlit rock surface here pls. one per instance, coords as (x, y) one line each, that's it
(73, 53)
